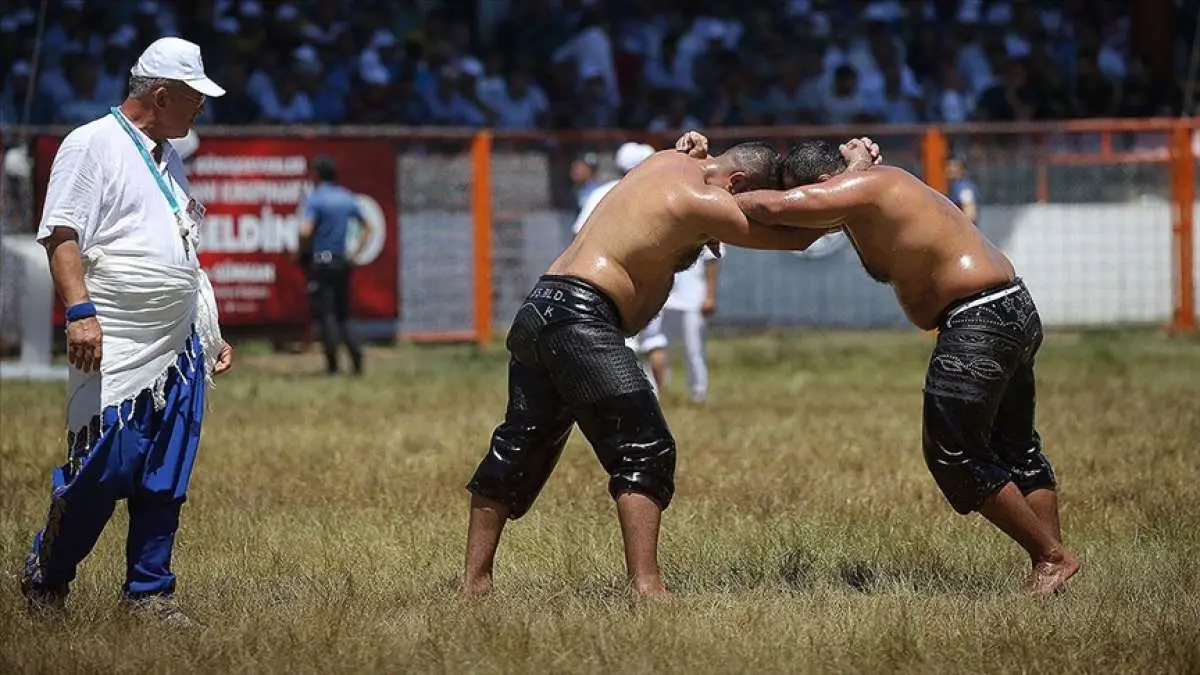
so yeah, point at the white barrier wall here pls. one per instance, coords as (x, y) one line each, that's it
(1090, 264)
(1086, 264)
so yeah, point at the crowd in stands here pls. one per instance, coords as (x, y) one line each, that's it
(659, 65)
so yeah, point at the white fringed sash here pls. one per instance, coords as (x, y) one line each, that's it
(147, 312)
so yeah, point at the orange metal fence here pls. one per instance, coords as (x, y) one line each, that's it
(1169, 147)
(482, 212)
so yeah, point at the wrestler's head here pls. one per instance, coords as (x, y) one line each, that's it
(745, 167)
(811, 162)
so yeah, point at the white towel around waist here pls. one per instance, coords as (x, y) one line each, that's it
(147, 311)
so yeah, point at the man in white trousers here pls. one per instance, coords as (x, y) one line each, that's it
(693, 299)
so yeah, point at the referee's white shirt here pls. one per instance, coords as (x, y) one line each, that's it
(101, 187)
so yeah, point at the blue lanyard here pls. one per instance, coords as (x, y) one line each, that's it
(150, 164)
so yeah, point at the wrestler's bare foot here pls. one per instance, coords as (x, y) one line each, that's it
(1050, 574)
(650, 588)
(476, 588)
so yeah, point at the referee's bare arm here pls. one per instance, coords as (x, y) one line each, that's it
(66, 265)
(84, 339)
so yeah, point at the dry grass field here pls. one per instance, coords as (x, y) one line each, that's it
(327, 518)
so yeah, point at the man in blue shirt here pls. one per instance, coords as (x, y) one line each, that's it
(963, 191)
(327, 217)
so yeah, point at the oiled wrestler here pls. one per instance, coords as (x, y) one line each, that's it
(980, 442)
(569, 363)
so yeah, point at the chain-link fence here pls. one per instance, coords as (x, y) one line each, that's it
(1089, 214)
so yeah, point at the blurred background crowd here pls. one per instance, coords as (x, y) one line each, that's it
(656, 65)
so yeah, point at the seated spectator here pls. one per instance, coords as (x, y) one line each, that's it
(373, 101)
(843, 101)
(236, 106)
(447, 105)
(594, 107)
(261, 83)
(1054, 101)
(327, 102)
(341, 64)
(953, 104)
(324, 22)
(590, 49)
(1011, 99)
(411, 109)
(290, 105)
(733, 104)
(597, 63)
(898, 106)
(1139, 98)
(114, 72)
(1094, 95)
(84, 103)
(795, 97)
(492, 83)
(520, 105)
(14, 98)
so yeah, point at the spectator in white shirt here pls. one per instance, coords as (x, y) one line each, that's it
(591, 51)
(692, 300)
(448, 107)
(115, 70)
(954, 103)
(671, 67)
(520, 105)
(595, 109)
(793, 100)
(843, 102)
(898, 106)
(492, 83)
(289, 105)
(260, 85)
(84, 104)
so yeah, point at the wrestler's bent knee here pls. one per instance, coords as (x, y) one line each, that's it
(641, 461)
(966, 482)
(516, 468)
(651, 473)
(1033, 470)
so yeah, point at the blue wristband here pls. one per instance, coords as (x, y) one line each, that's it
(82, 310)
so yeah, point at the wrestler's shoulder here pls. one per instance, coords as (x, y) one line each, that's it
(891, 175)
(670, 160)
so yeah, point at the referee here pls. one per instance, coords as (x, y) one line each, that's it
(327, 216)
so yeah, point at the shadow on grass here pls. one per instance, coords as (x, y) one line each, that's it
(931, 577)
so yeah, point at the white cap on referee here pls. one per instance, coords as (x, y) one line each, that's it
(173, 58)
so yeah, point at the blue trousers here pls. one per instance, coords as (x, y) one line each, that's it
(133, 452)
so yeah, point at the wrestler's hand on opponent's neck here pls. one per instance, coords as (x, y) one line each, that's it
(693, 144)
(861, 154)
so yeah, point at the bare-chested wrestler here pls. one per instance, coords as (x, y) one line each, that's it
(980, 442)
(569, 363)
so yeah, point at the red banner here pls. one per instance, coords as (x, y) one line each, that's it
(254, 191)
